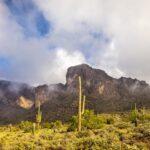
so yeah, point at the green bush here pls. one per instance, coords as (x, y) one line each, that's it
(86, 133)
(92, 121)
(147, 117)
(27, 126)
(47, 125)
(96, 144)
(57, 125)
(123, 125)
(144, 115)
(110, 120)
(89, 121)
(73, 123)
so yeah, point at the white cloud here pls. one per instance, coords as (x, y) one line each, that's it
(63, 60)
(122, 48)
(30, 58)
(125, 21)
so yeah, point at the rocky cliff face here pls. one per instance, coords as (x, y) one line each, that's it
(104, 94)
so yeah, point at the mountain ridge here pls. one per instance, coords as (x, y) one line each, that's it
(59, 101)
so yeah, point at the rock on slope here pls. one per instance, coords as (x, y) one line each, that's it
(104, 94)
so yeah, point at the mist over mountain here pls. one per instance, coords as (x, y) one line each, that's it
(59, 101)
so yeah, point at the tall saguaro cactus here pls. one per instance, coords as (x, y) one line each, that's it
(39, 115)
(79, 107)
(134, 115)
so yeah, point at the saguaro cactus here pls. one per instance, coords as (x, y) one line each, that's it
(135, 122)
(134, 114)
(83, 104)
(39, 115)
(143, 114)
(33, 129)
(10, 127)
(79, 107)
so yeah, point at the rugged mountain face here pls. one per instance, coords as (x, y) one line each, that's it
(14, 100)
(104, 94)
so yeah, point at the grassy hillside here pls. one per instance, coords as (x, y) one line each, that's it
(103, 131)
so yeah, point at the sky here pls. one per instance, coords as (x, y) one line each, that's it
(40, 39)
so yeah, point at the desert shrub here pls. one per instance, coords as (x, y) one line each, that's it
(89, 121)
(110, 120)
(91, 143)
(141, 146)
(129, 147)
(57, 125)
(47, 125)
(144, 115)
(10, 128)
(122, 134)
(44, 135)
(123, 125)
(92, 121)
(86, 133)
(96, 143)
(147, 116)
(146, 133)
(73, 123)
(138, 136)
(27, 126)
(143, 131)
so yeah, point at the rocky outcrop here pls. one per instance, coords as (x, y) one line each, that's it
(24, 102)
(104, 94)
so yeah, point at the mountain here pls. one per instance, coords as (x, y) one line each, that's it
(59, 101)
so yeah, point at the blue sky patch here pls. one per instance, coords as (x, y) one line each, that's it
(100, 36)
(42, 24)
(4, 65)
(29, 17)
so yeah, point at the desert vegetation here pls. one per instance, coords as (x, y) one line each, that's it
(85, 130)
(99, 131)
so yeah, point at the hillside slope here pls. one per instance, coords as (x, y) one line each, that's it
(59, 101)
